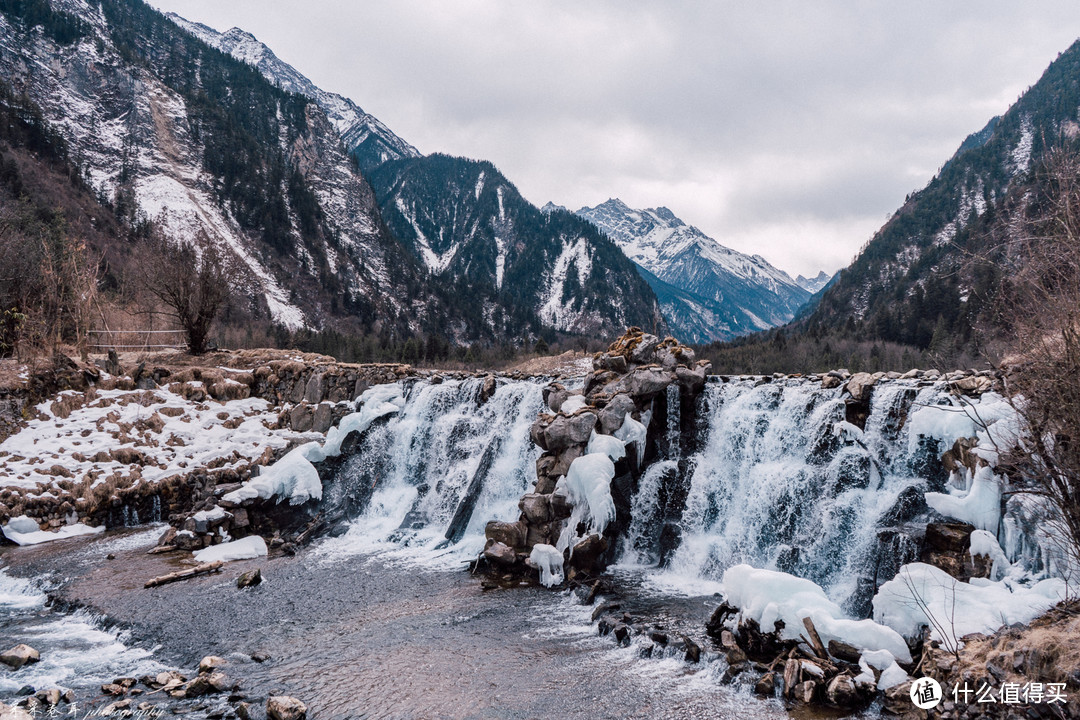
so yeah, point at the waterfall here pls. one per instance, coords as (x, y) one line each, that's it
(782, 481)
(438, 470)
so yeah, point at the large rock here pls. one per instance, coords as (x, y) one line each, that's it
(975, 385)
(613, 414)
(610, 361)
(692, 379)
(644, 382)
(20, 655)
(643, 350)
(535, 507)
(283, 707)
(670, 354)
(860, 385)
(587, 552)
(511, 534)
(211, 662)
(841, 691)
(563, 431)
(554, 396)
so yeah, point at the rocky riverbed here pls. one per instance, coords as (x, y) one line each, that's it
(363, 636)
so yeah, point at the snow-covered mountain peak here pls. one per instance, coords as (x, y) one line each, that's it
(365, 137)
(749, 291)
(812, 285)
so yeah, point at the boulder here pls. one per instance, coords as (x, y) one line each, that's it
(691, 379)
(643, 350)
(322, 418)
(975, 385)
(535, 507)
(249, 579)
(841, 691)
(19, 655)
(766, 685)
(644, 382)
(511, 534)
(210, 662)
(283, 707)
(613, 414)
(830, 381)
(554, 396)
(859, 386)
(500, 554)
(805, 691)
(610, 361)
(587, 552)
(487, 389)
(563, 431)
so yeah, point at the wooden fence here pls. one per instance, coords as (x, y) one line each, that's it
(129, 340)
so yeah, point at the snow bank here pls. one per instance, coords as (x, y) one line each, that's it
(632, 431)
(609, 445)
(550, 562)
(24, 531)
(923, 595)
(980, 506)
(767, 596)
(247, 548)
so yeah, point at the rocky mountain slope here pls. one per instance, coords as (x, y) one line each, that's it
(204, 134)
(365, 137)
(913, 282)
(707, 291)
(516, 265)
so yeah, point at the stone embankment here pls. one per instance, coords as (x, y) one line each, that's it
(186, 441)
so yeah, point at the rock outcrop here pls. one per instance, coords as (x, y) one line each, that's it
(610, 415)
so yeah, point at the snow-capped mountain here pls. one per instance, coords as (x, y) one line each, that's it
(207, 134)
(812, 285)
(710, 292)
(365, 137)
(470, 227)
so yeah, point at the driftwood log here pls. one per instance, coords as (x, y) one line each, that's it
(185, 574)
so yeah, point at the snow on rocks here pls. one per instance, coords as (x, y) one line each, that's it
(922, 595)
(247, 548)
(295, 476)
(767, 596)
(24, 530)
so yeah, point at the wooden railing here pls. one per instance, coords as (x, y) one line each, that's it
(127, 340)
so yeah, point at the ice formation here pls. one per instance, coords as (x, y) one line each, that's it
(587, 486)
(632, 431)
(980, 505)
(609, 445)
(550, 562)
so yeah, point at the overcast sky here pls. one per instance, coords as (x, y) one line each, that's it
(787, 129)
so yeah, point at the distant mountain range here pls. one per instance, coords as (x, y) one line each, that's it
(210, 134)
(707, 291)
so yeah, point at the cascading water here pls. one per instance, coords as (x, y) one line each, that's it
(783, 482)
(434, 473)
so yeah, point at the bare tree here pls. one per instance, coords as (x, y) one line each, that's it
(48, 282)
(193, 280)
(1041, 305)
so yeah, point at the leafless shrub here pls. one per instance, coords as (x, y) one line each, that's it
(1040, 247)
(192, 280)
